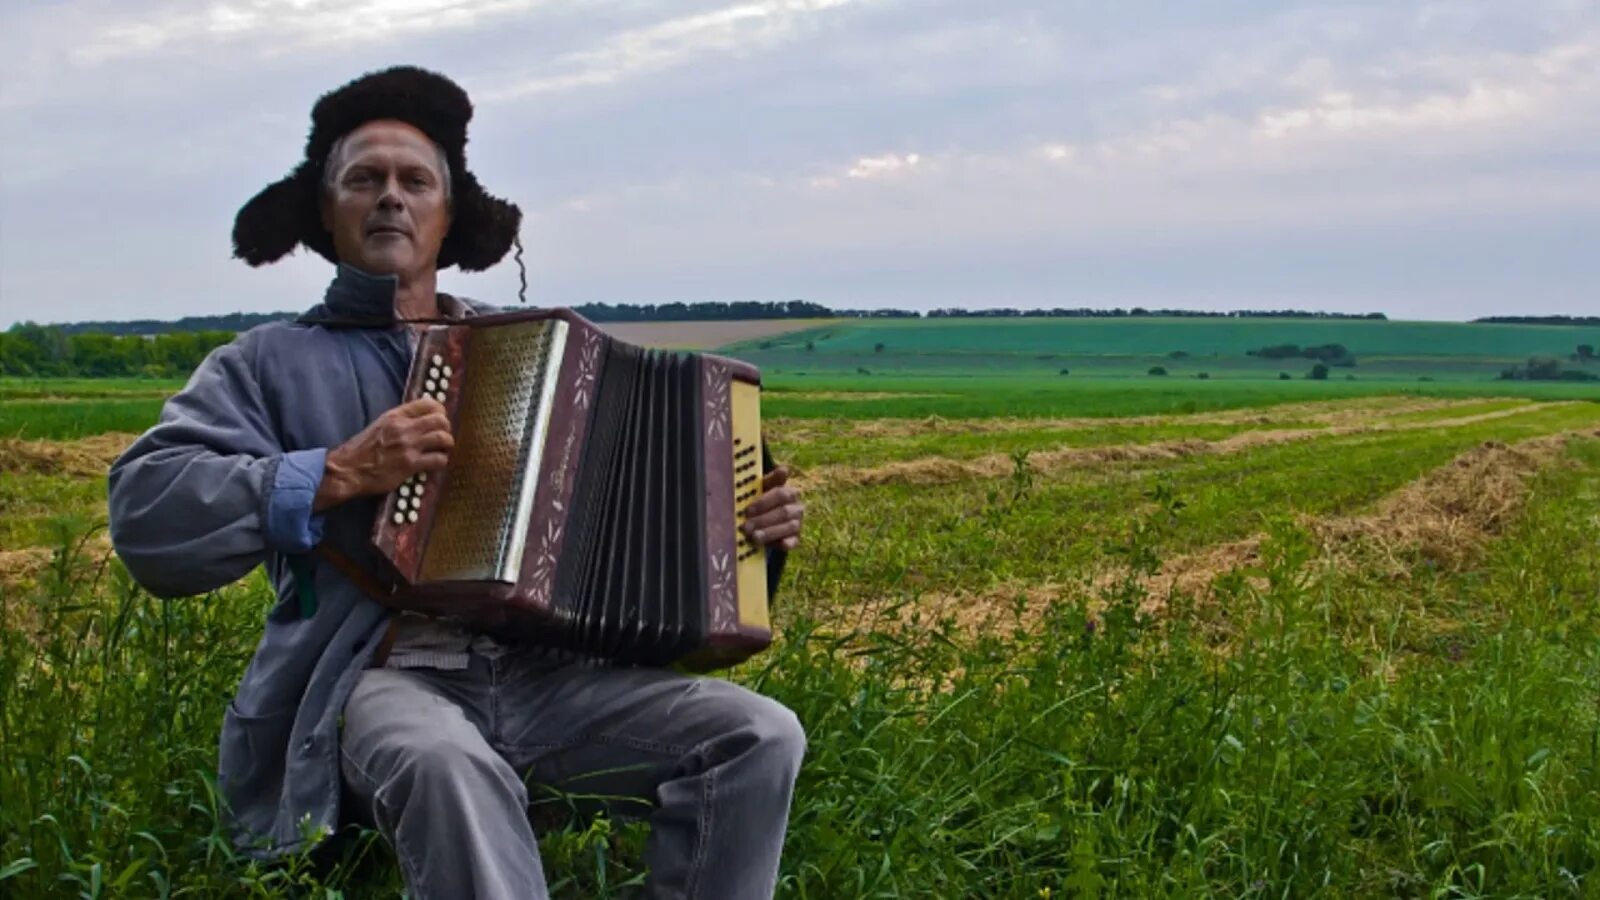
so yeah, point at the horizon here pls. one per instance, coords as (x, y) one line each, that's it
(1430, 160)
(1299, 314)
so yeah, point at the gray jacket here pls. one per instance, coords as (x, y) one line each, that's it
(224, 483)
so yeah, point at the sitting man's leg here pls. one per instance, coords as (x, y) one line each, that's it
(454, 810)
(714, 761)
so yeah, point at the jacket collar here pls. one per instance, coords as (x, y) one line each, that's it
(356, 298)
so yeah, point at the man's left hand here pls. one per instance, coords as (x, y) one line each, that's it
(775, 516)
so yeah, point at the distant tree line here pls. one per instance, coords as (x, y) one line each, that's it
(1332, 354)
(703, 312)
(1539, 320)
(232, 323)
(33, 350)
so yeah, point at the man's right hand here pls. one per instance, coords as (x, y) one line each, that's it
(405, 440)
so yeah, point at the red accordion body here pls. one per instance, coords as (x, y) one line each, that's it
(593, 498)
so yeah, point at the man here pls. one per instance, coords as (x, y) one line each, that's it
(286, 438)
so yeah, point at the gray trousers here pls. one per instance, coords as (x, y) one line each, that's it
(439, 761)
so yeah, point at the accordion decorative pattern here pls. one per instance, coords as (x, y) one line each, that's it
(481, 526)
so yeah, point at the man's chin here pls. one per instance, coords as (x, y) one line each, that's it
(382, 263)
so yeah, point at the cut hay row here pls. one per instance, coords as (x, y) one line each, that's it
(92, 456)
(85, 457)
(1322, 412)
(931, 470)
(1443, 521)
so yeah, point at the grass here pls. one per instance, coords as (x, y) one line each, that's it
(64, 419)
(920, 538)
(62, 388)
(1352, 733)
(972, 397)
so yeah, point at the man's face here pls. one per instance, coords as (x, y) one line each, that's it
(386, 201)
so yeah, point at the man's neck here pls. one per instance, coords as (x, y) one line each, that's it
(417, 297)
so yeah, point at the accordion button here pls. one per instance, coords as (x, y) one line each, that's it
(403, 504)
(399, 518)
(431, 385)
(447, 371)
(405, 490)
(421, 477)
(444, 384)
(438, 360)
(411, 516)
(417, 491)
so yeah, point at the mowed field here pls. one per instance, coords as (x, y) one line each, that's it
(1049, 638)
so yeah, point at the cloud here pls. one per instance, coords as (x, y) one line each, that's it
(853, 151)
(276, 27)
(742, 28)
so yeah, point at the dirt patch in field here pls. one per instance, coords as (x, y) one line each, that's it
(85, 457)
(704, 335)
(1443, 520)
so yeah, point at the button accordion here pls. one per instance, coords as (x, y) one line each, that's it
(593, 498)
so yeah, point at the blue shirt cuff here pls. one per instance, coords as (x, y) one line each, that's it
(291, 525)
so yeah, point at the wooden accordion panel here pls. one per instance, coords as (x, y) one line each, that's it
(593, 497)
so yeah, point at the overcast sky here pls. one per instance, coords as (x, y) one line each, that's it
(1428, 159)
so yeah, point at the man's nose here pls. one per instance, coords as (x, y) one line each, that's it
(390, 199)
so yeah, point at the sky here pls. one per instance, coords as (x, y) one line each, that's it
(1429, 160)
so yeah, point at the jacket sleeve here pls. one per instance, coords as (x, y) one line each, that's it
(202, 497)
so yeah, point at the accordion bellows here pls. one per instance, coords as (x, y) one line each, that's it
(593, 498)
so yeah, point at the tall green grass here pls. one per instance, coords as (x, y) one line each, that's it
(61, 419)
(1315, 730)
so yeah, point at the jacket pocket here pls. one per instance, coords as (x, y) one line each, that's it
(250, 768)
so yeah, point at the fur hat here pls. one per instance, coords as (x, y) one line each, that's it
(287, 212)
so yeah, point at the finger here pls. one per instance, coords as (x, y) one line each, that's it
(775, 533)
(791, 542)
(777, 478)
(431, 422)
(772, 499)
(434, 441)
(429, 462)
(422, 406)
(793, 512)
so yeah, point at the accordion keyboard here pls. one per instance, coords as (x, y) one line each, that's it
(408, 503)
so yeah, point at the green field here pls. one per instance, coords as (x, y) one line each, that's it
(1128, 348)
(1049, 637)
